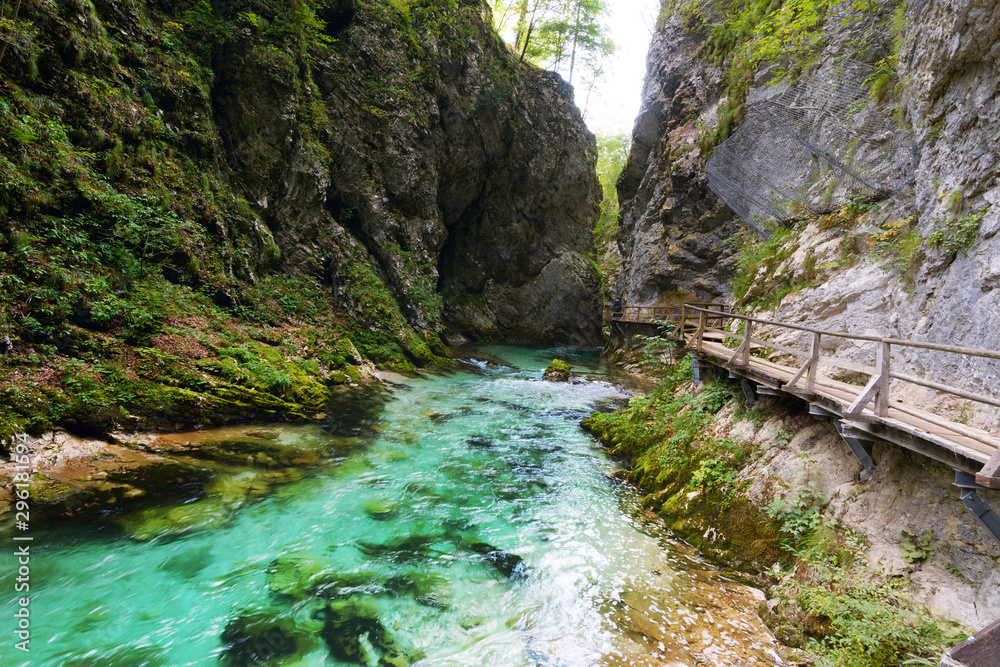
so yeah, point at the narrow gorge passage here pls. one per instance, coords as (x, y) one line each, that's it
(472, 522)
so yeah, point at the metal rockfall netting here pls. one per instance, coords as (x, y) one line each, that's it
(810, 146)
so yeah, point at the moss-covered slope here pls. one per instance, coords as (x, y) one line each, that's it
(221, 210)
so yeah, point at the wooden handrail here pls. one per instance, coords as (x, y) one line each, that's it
(877, 389)
(700, 323)
(970, 351)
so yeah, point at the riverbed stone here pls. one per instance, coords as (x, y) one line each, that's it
(382, 509)
(299, 574)
(264, 637)
(349, 620)
(145, 525)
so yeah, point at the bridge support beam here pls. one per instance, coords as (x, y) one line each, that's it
(857, 446)
(986, 516)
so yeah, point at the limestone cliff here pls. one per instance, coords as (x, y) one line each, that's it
(674, 233)
(467, 176)
(678, 239)
(921, 265)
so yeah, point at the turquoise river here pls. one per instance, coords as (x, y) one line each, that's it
(460, 518)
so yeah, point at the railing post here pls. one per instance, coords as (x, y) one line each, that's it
(701, 330)
(882, 364)
(877, 388)
(813, 363)
(747, 335)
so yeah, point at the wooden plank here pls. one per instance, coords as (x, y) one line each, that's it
(979, 650)
(915, 443)
(989, 476)
(975, 434)
(870, 391)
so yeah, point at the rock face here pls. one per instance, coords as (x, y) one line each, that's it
(860, 275)
(468, 177)
(674, 233)
(677, 238)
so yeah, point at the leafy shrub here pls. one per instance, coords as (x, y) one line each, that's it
(956, 233)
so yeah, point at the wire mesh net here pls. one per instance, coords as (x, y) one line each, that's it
(809, 147)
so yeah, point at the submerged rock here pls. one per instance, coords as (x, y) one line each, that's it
(187, 564)
(263, 638)
(511, 565)
(381, 508)
(235, 490)
(428, 589)
(348, 621)
(299, 574)
(147, 524)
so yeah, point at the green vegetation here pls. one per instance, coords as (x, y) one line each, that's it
(743, 35)
(955, 233)
(565, 36)
(826, 601)
(612, 156)
(137, 285)
(755, 284)
(844, 615)
(688, 470)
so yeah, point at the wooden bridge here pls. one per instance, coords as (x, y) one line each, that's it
(862, 414)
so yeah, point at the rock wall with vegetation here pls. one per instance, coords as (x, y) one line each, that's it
(223, 210)
(858, 570)
(920, 264)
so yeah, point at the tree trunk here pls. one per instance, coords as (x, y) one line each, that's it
(10, 35)
(576, 33)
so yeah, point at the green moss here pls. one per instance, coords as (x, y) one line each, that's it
(689, 475)
(558, 366)
(137, 283)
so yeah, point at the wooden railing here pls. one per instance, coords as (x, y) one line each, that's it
(651, 314)
(702, 328)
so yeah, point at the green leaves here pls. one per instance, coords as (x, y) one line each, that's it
(566, 36)
(956, 233)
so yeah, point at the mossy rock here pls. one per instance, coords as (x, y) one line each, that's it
(306, 389)
(557, 371)
(347, 621)
(145, 525)
(353, 374)
(436, 345)
(262, 637)
(46, 490)
(299, 574)
(235, 490)
(381, 508)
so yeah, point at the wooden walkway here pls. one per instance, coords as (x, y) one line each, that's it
(862, 414)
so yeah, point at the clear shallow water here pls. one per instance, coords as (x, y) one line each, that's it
(473, 524)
